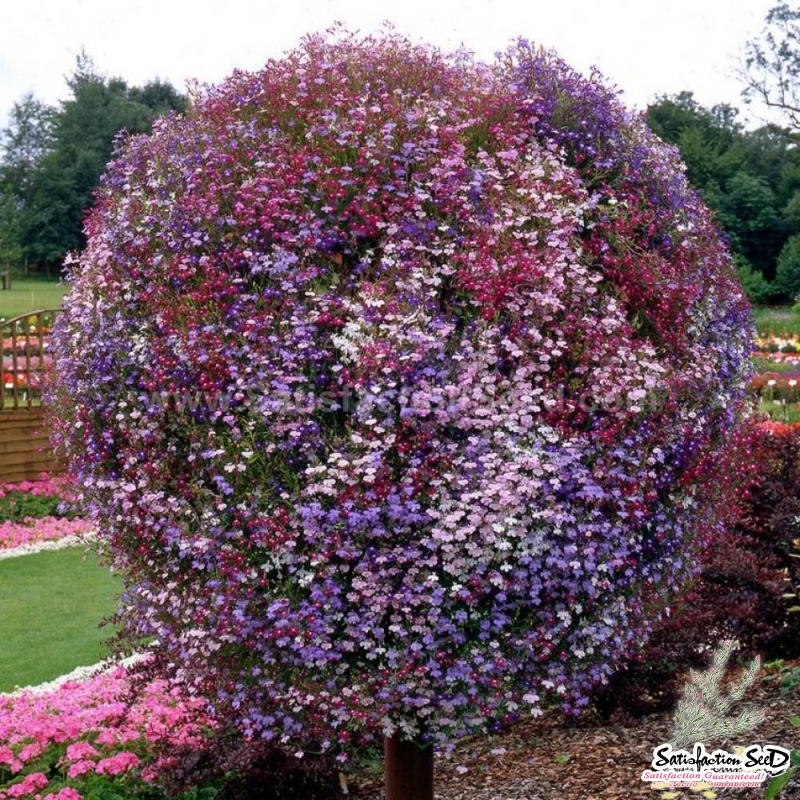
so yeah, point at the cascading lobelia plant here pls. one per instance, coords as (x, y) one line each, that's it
(391, 380)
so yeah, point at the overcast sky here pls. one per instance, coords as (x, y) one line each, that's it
(645, 47)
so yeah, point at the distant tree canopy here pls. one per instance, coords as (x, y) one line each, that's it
(51, 160)
(751, 180)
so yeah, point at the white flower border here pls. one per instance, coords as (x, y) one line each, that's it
(78, 674)
(48, 544)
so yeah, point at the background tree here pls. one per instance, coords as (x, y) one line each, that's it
(27, 139)
(10, 246)
(749, 211)
(758, 289)
(24, 145)
(787, 278)
(751, 179)
(53, 158)
(772, 64)
(709, 140)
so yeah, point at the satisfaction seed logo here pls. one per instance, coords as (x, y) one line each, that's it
(703, 715)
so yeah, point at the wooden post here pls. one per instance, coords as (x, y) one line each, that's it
(408, 769)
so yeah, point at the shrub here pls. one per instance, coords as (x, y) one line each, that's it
(787, 274)
(747, 573)
(16, 506)
(757, 288)
(393, 381)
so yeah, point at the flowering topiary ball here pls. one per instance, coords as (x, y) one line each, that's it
(392, 380)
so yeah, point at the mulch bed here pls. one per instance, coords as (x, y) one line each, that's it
(591, 758)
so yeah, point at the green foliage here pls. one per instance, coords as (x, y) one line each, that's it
(24, 144)
(93, 786)
(758, 289)
(762, 365)
(777, 321)
(53, 159)
(750, 179)
(127, 787)
(10, 241)
(787, 276)
(788, 678)
(26, 141)
(748, 211)
(777, 785)
(51, 605)
(15, 506)
(709, 140)
(779, 411)
(790, 681)
(791, 211)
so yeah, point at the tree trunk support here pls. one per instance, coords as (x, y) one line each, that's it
(408, 769)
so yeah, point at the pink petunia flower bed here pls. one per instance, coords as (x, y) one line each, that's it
(29, 532)
(45, 485)
(55, 744)
(32, 531)
(69, 741)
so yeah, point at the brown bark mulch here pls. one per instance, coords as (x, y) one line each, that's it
(591, 758)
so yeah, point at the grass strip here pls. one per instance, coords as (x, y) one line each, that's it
(51, 604)
(30, 294)
(777, 321)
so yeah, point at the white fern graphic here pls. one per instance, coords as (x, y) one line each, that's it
(702, 714)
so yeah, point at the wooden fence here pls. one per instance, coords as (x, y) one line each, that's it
(25, 450)
(26, 358)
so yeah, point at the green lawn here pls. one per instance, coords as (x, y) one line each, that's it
(30, 294)
(51, 604)
(777, 321)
